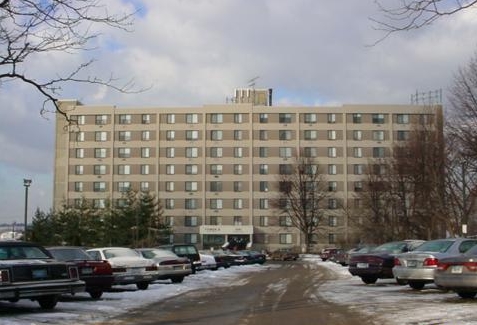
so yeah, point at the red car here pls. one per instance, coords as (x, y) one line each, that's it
(97, 275)
(326, 253)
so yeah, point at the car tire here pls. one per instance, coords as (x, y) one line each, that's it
(369, 279)
(177, 279)
(401, 282)
(48, 302)
(416, 285)
(95, 294)
(142, 285)
(466, 294)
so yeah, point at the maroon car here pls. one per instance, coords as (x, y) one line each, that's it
(97, 275)
(378, 263)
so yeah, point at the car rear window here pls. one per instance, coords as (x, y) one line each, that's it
(21, 252)
(440, 246)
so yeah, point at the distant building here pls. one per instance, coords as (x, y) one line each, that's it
(215, 167)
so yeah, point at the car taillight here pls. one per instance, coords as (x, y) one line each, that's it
(430, 262)
(442, 266)
(471, 266)
(397, 261)
(104, 268)
(4, 276)
(73, 271)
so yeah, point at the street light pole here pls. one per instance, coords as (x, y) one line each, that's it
(26, 183)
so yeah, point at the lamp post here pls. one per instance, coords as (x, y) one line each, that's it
(26, 183)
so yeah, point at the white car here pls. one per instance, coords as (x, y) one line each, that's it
(128, 266)
(207, 261)
(170, 266)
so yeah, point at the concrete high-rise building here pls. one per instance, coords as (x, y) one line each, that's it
(215, 168)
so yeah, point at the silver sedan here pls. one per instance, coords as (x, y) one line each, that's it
(417, 268)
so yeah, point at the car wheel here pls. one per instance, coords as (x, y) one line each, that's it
(466, 294)
(95, 294)
(416, 285)
(142, 285)
(369, 279)
(177, 279)
(48, 302)
(401, 282)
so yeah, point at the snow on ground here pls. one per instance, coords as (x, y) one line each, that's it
(385, 302)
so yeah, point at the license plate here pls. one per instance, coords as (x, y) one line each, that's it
(87, 270)
(362, 265)
(411, 263)
(38, 274)
(456, 269)
(178, 267)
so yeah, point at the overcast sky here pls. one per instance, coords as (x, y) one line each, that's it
(195, 52)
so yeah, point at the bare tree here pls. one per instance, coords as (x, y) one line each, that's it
(301, 194)
(30, 28)
(413, 14)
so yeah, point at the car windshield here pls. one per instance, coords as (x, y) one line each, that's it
(119, 252)
(67, 254)
(394, 247)
(21, 252)
(437, 246)
(157, 253)
(185, 250)
(472, 251)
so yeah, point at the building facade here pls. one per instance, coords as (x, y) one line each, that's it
(215, 168)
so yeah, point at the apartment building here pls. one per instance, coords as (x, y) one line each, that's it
(215, 168)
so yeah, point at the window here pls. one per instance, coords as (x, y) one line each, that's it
(100, 152)
(216, 204)
(332, 221)
(78, 186)
(332, 186)
(310, 118)
(191, 169)
(285, 239)
(124, 135)
(332, 203)
(284, 118)
(402, 135)
(357, 152)
(358, 169)
(145, 135)
(99, 203)
(81, 119)
(358, 203)
(332, 152)
(192, 152)
(402, 118)
(263, 221)
(238, 169)
(145, 152)
(311, 169)
(170, 169)
(357, 118)
(378, 152)
(379, 169)
(79, 153)
(190, 221)
(263, 186)
(263, 204)
(79, 136)
(332, 169)
(238, 186)
(310, 152)
(192, 135)
(191, 204)
(216, 118)
(216, 152)
(171, 118)
(169, 186)
(170, 135)
(124, 119)
(358, 186)
(145, 169)
(285, 135)
(238, 135)
(263, 152)
(285, 152)
(101, 136)
(285, 169)
(331, 118)
(263, 135)
(79, 170)
(124, 169)
(192, 118)
(216, 169)
(216, 186)
(190, 238)
(357, 135)
(100, 169)
(146, 118)
(263, 169)
(124, 186)
(170, 152)
(124, 152)
(216, 135)
(238, 152)
(237, 220)
(238, 118)
(191, 186)
(101, 119)
(378, 135)
(216, 220)
(170, 203)
(311, 134)
(331, 238)
(144, 186)
(263, 118)
(331, 135)
(238, 204)
(99, 186)
(285, 221)
(378, 118)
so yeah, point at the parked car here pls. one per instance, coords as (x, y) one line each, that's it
(417, 267)
(97, 275)
(284, 254)
(207, 261)
(378, 263)
(338, 257)
(29, 271)
(222, 258)
(357, 250)
(128, 266)
(253, 257)
(458, 273)
(169, 265)
(185, 250)
(326, 253)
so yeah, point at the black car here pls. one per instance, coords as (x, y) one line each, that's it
(29, 271)
(186, 250)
